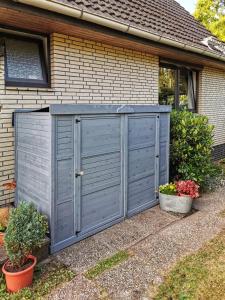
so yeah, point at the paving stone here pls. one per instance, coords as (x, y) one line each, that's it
(78, 289)
(81, 256)
(155, 239)
(132, 230)
(127, 281)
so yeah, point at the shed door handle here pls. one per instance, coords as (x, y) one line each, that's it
(81, 173)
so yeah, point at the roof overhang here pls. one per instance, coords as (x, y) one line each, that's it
(49, 16)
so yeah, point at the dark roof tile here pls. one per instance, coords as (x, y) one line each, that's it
(161, 17)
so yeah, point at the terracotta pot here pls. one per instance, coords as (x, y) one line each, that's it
(16, 281)
(2, 234)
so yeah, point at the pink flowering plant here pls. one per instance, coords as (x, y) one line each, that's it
(187, 188)
(181, 188)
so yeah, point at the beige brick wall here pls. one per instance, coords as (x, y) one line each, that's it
(212, 100)
(82, 72)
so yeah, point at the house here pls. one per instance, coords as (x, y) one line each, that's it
(105, 52)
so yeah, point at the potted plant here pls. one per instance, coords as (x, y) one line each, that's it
(26, 231)
(177, 197)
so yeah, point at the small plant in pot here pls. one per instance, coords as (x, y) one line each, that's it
(178, 197)
(26, 231)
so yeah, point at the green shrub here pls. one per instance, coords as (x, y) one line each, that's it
(191, 147)
(25, 232)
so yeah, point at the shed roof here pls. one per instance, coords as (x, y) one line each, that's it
(80, 109)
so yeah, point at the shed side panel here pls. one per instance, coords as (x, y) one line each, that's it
(164, 140)
(33, 159)
(64, 226)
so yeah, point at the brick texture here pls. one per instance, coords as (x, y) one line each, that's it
(81, 72)
(212, 100)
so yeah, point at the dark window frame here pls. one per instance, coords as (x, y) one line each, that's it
(177, 68)
(45, 83)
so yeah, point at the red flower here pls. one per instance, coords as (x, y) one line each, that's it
(187, 188)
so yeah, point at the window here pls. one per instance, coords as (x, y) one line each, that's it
(25, 62)
(177, 87)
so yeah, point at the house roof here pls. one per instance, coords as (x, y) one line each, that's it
(165, 18)
(165, 22)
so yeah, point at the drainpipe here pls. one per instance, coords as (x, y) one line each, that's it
(71, 11)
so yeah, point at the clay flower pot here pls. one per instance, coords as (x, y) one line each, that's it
(2, 234)
(16, 281)
(177, 204)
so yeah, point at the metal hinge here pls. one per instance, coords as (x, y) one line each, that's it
(77, 121)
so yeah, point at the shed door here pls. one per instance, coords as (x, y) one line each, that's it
(99, 188)
(142, 162)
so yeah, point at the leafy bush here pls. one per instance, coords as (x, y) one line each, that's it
(191, 147)
(216, 178)
(25, 232)
(168, 189)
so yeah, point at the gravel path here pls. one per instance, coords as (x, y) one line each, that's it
(156, 240)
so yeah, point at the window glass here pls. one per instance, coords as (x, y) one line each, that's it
(167, 78)
(183, 88)
(23, 60)
(192, 90)
(177, 87)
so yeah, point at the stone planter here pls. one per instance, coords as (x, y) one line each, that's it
(178, 204)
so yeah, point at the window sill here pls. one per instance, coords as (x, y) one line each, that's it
(41, 89)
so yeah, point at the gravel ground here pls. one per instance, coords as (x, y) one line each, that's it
(156, 240)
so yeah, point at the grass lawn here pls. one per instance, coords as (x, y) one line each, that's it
(197, 276)
(46, 277)
(106, 264)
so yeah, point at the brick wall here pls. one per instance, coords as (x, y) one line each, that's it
(212, 100)
(81, 72)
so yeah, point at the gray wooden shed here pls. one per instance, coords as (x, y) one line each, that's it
(90, 166)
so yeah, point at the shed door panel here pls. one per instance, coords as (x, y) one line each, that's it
(142, 135)
(100, 186)
(64, 176)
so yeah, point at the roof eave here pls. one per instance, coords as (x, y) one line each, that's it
(70, 11)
